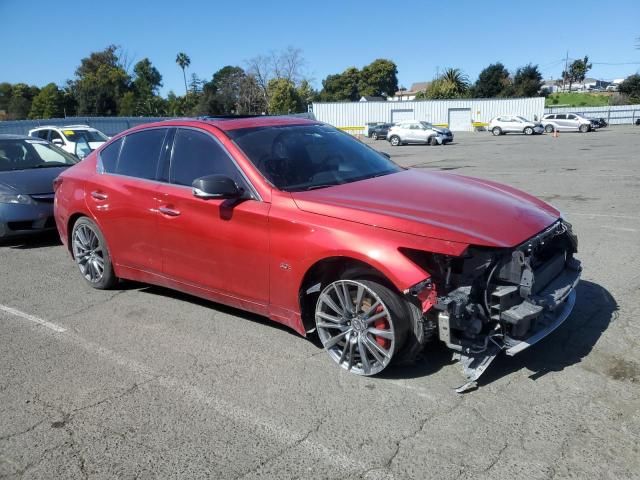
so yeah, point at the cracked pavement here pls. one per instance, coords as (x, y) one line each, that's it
(149, 383)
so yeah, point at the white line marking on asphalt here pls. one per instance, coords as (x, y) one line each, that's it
(32, 318)
(250, 419)
(621, 229)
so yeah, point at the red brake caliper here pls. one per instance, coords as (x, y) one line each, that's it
(382, 324)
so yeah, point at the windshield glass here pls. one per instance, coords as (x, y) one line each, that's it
(87, 135)
(25, 154)
(304, 157)
(426, 125)
(522, 119)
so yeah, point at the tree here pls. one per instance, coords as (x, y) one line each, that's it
(492, 81)
(226, 85)
(631, 87)
(379, 78)
(342, 86)
(453, 83)
(251, 99)
(287, 64)
(527, 81)
(577, 71)
(183, 61)
(283, 97)
(147, 79)
(100, 82)
(49, 103)
(6, 91)
(20, 102)
(307, 94)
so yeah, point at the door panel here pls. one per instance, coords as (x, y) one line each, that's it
(215, 244)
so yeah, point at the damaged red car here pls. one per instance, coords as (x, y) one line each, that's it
(295, 220)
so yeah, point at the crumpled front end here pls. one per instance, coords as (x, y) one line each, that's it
(491, 300)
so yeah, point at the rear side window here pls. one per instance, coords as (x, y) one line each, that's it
(561, 117)
(140, 153)
(109, 156)
(196, 154)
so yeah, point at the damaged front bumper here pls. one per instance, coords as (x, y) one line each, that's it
(507, 299)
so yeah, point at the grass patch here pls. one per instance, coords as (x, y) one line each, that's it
(577, 99)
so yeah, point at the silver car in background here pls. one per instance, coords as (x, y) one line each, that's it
(414, 131)
(514, 124)
(566, 122)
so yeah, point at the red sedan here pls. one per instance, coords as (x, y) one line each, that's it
(298, 221)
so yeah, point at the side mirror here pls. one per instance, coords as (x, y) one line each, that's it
(215, 186)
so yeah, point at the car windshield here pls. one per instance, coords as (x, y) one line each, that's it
(426, 124)
(304, 157)
(25, 154)
(74, 135)
(522, 119)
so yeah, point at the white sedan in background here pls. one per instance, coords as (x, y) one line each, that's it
(514, 124)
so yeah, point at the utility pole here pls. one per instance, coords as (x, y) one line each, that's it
(566, 66)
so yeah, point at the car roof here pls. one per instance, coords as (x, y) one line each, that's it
(10, 136)
(232, 123)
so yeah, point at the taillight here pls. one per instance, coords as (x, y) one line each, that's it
(56, 183)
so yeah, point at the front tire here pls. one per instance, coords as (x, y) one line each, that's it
(548, 129)
(374, 136)
(584, 128)
(362, 324)
(91, 254)
(394, 140)
(497, 131)
(528, 131)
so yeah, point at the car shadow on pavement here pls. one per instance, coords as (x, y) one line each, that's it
(47, 239)
(595, 309)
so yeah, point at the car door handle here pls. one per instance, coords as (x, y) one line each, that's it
(170, 212)
(99, 195)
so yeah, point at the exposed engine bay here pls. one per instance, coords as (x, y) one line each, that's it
(489, 299)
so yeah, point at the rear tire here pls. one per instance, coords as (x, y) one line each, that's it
(374, 136)
(497, 131)
(394, 140)
(91, 254)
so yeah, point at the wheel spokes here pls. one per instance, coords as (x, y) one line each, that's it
(88, 253)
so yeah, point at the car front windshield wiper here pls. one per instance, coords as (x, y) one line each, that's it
(51, 165)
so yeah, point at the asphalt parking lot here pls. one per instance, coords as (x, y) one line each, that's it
(142, 382)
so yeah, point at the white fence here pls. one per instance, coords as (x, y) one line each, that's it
(457, 114)
(614, 115)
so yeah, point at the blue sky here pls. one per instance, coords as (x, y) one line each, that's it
(44, 41)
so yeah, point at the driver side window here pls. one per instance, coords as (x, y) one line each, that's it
(196, 154)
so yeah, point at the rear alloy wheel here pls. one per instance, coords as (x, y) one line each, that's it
(497, 131)
(528, 131)
(91, 255)
(374, 136)
(395, 140)
(361, 324)
(584, 128)
(548, 129)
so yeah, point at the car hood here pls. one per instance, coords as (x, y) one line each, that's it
(444, 131)
(435, 205)
(31, 181)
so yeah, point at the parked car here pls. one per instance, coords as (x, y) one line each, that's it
(28, 167)
(379, 131)
(79, 140)
(298, 221)
(415, 131)
(514, 124)
(368, 126)
(566, 122)
(598, 123)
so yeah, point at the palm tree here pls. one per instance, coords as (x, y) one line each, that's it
(458, 81)
(183, 62)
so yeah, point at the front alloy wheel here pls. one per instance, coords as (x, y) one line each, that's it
(356, 326)
(395, 141)
(528, 131)
(497, 131)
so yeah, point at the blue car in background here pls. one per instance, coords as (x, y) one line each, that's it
(28, 167)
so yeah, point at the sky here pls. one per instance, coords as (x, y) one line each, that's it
(45, 42)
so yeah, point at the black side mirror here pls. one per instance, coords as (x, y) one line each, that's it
(215, 186)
